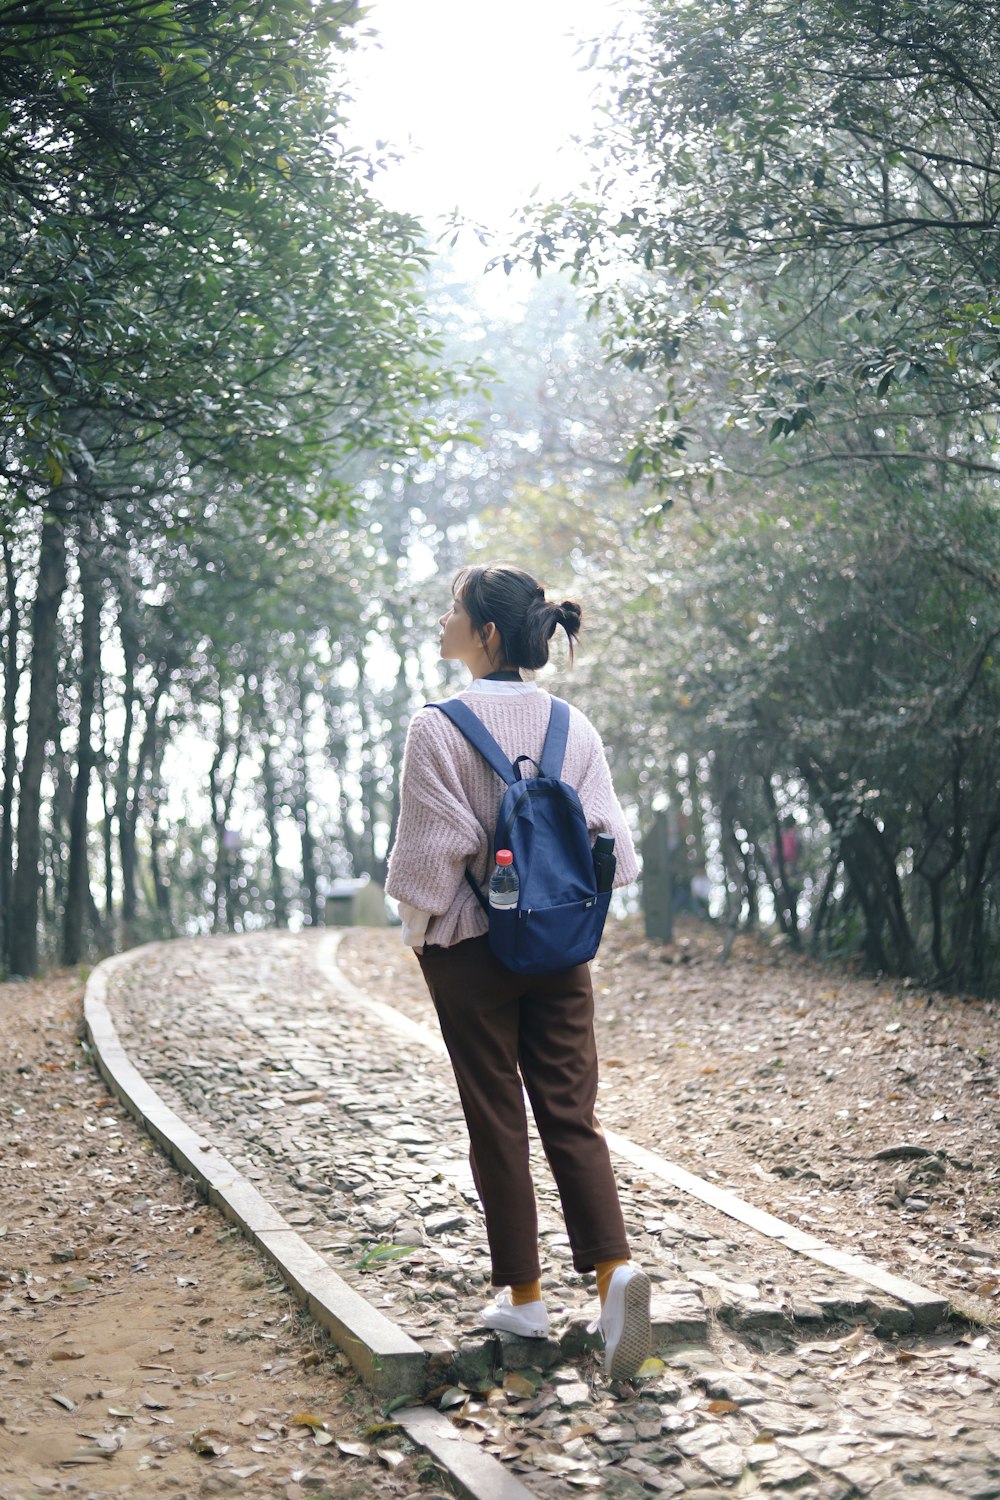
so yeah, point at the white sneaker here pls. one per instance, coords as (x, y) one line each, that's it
(624, 1322)
(529, 1321)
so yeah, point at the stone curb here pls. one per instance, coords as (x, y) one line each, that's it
(928, 1309)
(388, 1360)
(474, 1473)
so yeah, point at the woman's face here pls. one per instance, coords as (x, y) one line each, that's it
(459, 638)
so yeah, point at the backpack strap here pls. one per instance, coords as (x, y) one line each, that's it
(475, 731)
(479, 737)
(556, 735)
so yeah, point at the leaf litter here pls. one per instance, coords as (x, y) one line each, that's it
(81, 1176)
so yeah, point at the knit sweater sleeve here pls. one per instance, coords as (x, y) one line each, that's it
(438, 834)
(602, 808)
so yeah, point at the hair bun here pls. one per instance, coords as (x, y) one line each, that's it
(570, 617)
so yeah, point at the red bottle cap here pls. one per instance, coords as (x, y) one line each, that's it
(504, 857)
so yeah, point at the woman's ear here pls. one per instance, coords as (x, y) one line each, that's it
(490, 637)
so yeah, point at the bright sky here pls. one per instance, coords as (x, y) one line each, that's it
(482, 97)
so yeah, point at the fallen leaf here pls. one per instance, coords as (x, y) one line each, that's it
(556, 1463)
(354, 1450)
(381, 1429)
(391, 1457)
(209, 1443)
(722, 1408)
(453, 1395)
(63, 1401)
(306, 1419)
(518, 1386)
(650, 1367)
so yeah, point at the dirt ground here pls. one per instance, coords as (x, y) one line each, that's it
(144, 1349)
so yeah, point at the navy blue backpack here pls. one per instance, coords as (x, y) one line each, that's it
(560, 914)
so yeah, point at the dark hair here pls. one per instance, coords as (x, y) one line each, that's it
(515, 603)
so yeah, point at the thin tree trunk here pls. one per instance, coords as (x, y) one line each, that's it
(56, 868)
(221, 799)
(41, 714)
(78, 876)
(11, 679)
(309, 878)
(161, 885)
(270, 817)
(126, 845)
(395, 745)
(129, 823)
(107, 829)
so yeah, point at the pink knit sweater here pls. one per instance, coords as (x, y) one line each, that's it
(450, 799)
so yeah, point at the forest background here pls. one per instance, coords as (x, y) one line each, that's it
(253, 420)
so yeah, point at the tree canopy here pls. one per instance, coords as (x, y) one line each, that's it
(808, 196)
(192, 269)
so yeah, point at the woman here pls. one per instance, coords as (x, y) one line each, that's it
(494, 1022)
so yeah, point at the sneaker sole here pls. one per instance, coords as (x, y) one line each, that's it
(632, 1349)
(518, 1333)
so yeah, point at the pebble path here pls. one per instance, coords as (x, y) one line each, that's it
(774, 1374)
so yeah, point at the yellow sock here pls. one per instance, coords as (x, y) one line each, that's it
(528, 1291)
(605, 1269)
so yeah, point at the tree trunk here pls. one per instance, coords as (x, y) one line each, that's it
(221, 800)
(107, 828)
(11, 678)
(78, 877)
(161, 885)
(41, 713)
(129, 819)
(270, 816)
(126, 844)
(309, 878)
(369, 774)
(786, 896)
(395, 745)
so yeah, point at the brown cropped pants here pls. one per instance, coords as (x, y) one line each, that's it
(495, 1023)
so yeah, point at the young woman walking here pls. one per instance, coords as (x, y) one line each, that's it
(501, 1028)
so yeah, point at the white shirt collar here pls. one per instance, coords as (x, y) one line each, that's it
(483, 685)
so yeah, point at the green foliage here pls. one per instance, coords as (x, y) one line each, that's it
(192, 272)
(797, 218)
(374, 1256)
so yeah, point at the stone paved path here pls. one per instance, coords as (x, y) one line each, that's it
(772, 1375)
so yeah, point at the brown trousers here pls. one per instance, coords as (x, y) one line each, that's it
(495, 1023)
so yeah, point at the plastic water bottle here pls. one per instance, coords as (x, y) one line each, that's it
(504, 884)
(605, 862)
